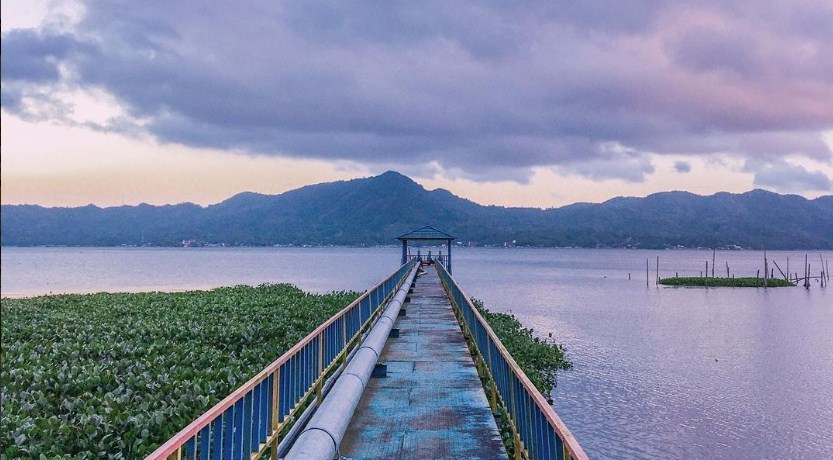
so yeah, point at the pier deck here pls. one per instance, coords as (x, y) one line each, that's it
(431, 403)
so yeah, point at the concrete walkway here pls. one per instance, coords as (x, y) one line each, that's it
(431, 405)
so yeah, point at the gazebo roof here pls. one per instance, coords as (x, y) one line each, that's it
(426, 233)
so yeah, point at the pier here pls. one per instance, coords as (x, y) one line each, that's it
(431, 403)
(410, 369)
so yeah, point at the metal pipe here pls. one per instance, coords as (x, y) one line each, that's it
(293, 432)
(323, 434)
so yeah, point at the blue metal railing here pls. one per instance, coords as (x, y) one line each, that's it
(538, 432)
(248, 423)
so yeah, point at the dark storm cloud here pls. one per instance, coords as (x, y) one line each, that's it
(484, 90)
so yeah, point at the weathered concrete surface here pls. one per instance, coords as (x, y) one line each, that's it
(431, 404)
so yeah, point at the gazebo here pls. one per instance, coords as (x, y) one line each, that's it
(427, 233)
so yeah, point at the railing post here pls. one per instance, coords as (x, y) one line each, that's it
(344, 343)
(276, 412)
(493, 396)
(513, 415)
(319, 380)
(518, 446)
(492, 385)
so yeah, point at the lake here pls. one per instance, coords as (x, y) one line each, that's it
(658, 372)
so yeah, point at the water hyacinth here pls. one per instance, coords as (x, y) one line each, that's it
(115, 375)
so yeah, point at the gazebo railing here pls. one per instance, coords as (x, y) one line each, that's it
(248, 423)
(440, 258)
(537, 430)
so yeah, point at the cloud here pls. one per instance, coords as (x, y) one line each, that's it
(628, 169)
(617, 162)
(490, 90)
(789, 178)
(682, 166)
(11, 100)
(34, 57)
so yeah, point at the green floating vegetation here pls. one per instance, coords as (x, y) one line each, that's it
(724, 282)
(116, 375)
(540, 359)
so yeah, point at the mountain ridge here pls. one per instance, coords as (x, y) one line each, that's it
(372, 211)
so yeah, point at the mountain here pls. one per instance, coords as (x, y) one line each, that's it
(375, 210)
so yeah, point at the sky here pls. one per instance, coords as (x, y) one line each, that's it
(525, 103)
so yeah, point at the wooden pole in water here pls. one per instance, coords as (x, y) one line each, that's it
(714, 251)
(657, 280)
(806, 272)
(788, 267)
(821, 260)
(727, 270)
(707, 269)
(647, 276)
(779, 269)
(766, 269)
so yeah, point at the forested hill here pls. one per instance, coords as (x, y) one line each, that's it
(375, 210)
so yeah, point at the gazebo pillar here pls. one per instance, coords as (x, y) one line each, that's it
(404, 251)
(448, 244)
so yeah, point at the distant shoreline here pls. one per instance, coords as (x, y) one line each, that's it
(390, 246)
(373, 211)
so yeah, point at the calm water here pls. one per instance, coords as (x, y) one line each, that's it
(658, 372)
